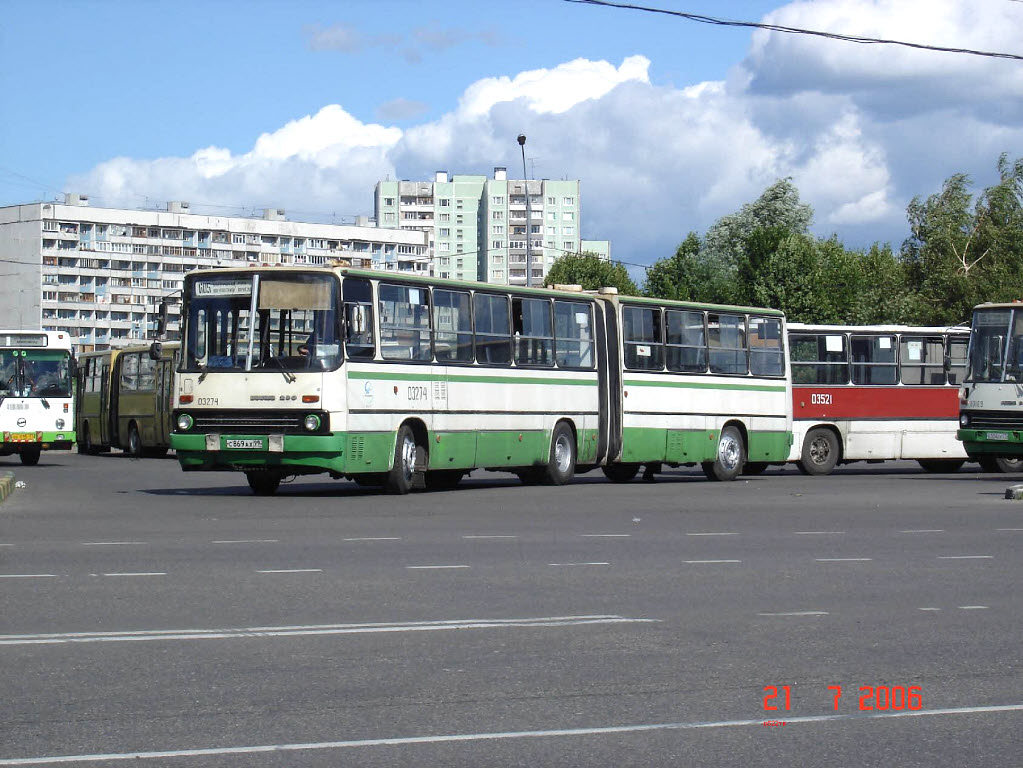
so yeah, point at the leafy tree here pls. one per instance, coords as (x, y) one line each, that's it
(691, 275)
(777, 208)
(591, 272)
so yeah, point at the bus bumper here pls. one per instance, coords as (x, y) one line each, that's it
(991, 442)
(16, 442)
(291, 454)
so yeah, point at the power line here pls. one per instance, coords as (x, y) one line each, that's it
(800, 31)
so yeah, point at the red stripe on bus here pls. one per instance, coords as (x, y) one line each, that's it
(852, 402)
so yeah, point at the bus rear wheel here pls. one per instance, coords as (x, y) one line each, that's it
(85, 441)
(561, 463)
(731, 455)
(134, 442)
(406, 453)
(820, 452)
(263, 483)
(754, 467)
(620, 473)
(941, 465)
(1000, 464)
(30, 456)
(444, 479)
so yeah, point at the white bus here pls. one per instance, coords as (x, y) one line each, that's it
(874, 393)
(991, 396)
(36, 396)
(404, 382)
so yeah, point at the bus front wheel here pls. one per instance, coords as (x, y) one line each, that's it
(263, 483)
(85, 442)
(561, 463)
(30, 457)
(1000, 464)
(820, 452)
(731, 455)
(134, 442)
(620, 473)
(941, 465)
(399, 478)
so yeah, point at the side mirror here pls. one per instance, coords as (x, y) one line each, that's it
(161, 321)
(947, 363)
(155, 351)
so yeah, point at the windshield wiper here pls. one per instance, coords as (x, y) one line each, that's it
(46, 405)
(203, 371)
(288, 375)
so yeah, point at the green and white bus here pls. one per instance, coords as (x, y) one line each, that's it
(991, 395)
(36, 401)
(405, 382)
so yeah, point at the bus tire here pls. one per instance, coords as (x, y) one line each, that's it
(85, 441)
(134, 448)
(620, 473)
(263, 483)
(941, 465)
(561, 463)
(30, 456)
(754, 467)
(444, 479)
(1000, 464)
(399, 478)
(730, 457)
(820, 452)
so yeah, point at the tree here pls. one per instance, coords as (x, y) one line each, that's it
(591, 272)
(777, 208)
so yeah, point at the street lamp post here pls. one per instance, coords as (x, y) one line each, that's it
(529, 214)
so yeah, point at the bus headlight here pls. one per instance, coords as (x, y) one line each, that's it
(964, 420)
(60, 423)
(185, 422)
(311, 422)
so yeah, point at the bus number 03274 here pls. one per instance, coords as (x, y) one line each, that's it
(417, 393)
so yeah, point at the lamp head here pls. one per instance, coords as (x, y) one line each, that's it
(522, 139)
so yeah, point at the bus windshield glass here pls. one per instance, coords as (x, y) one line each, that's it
(35, 373)
(261, 322)
(989, 344)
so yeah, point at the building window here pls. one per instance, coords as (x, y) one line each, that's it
(444, 202)
(497, 229)
(569, 201)
(497, 244)
(552, 201)
(389, 217)
(388, 201)
(497, 215)
(498, 200)
(568, 231)
(444, 217)
(444, 232)
(552, 215)
(568, 245)
(567, 216)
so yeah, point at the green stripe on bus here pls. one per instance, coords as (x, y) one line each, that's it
(703, 385)
(474, 379)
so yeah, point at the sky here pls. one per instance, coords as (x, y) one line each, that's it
(235, 106)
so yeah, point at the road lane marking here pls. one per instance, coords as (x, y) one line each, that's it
(111, 543)
(972, 607)
(490, 536)
(6, 545)
(138, 573)
(28, 575)
(928, 609)
(796, 613)
(605, 535)
(819, 533)
(698, 562)
(843, 559)
(567, 565)
(374, 538)
(966, 557)
(291, 570)
(924, 530)
(714, 534)
(434, 567)
(1010, 529)
(246, 541)
(452, 738)
(316, 629)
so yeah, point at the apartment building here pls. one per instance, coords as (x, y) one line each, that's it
(100, 273)
(478, 228)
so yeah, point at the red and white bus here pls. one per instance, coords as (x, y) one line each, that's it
(878, 392)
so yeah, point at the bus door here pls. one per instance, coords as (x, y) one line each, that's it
(614, 383)
(604, 400)
(113, 392)
(161, 409)
(104, 420)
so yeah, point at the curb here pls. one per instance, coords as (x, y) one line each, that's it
(1014, 492)
(6, 484)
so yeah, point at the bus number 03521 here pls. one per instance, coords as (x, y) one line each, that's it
(820, 398)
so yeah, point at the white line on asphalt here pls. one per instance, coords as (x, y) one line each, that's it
(565, 565)
(819, 533)
(28, 575)
(698, 562)
(966, 557)
(1010, 529)
(843, 559)
(434, 567)
(495, 736)
(138, 573)
(292, 570)
(245, 541)
(605, 535)
(924, 530)
(972, 607)
(796, 613)
(110, 543)
(490, 536)
(6, 545)
(374, 538)
(317, 629)
(713, 534)
(928, 609)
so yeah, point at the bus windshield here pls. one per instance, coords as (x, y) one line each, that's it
(261, 322)
(996, 346)
(34, 373)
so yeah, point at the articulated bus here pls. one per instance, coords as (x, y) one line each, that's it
(36, 403)
(875, 393)
(991, 397)
(402, 382)
(124, 399)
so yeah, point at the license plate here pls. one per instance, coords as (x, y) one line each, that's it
(244, 444)
(997, 435)
(23, 437)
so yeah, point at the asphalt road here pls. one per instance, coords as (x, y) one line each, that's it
(162, 618)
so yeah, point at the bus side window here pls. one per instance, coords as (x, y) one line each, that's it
(957, 360)
(130, 373)
(358, 317)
